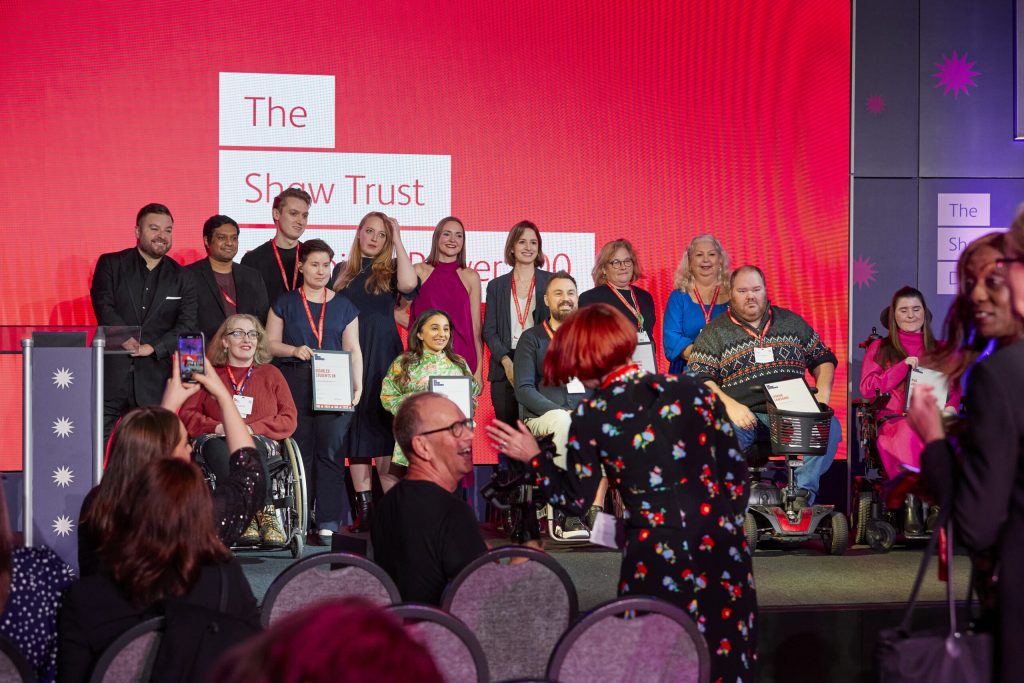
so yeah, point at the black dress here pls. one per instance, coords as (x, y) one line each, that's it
(370, 435)
(671, 453)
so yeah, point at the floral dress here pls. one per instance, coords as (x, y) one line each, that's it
(670, 451)
(431, 364)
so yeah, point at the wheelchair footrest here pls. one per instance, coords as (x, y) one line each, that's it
(286, 502)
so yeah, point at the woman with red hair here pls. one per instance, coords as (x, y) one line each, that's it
(669, 449)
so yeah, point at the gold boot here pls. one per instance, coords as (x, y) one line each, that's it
(270, 532)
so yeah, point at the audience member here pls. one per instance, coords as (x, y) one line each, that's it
(311, 318)
(162, 549)
(278, 261)
(423, 534)
(223, 287)
(672, 455)
(701, 293)
(452, 287)
(32, 586)
(754, 343)
(376, 277)
(340, 641)
(240, 353)
(140, 287)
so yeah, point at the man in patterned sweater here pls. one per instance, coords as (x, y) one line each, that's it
(754, 343)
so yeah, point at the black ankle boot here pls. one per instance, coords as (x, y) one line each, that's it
(911, 520)
(364, 511)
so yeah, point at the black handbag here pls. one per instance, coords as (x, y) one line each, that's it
(937, 655)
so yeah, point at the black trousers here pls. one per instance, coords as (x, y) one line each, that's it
(506, 409)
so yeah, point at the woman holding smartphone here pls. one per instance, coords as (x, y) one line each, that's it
(311, 318)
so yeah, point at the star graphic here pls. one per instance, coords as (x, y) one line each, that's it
(63, 526)
(955, 74)
(63, 476)
(63, 378)
(63, 427)
(863, 272)
(876, 104)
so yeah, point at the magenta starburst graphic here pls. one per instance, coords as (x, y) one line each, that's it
(955, 74)
(863, 272)
(876, 104)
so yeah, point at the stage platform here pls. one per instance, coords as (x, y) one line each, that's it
(819, 614)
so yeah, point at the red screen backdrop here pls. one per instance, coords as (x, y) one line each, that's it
(656, 121)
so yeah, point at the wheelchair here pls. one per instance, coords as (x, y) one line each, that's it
(873, 522)
(774, 513)
(287, 480)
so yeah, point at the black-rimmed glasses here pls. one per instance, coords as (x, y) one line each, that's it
(456, 428)
(239, 334)
(621, 263)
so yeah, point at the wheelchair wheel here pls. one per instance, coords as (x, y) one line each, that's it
(751, 532)
(296, 545)
(295, 517)
(836, 535)
(863, 516)
(880, 535)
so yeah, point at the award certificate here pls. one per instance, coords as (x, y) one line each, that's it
(457, 388)
(644, 357)
(332, 381)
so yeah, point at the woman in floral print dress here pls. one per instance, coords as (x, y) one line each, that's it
(668, 448)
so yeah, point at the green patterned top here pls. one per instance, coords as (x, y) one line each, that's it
(430, 365)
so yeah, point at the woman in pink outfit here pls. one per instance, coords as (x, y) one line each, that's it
(886, 368)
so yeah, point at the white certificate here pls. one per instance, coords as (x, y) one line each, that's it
(932, 378)
(644, 357)
(456, 388)
(792, 395)
(332, 381)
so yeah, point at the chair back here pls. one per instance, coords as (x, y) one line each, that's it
(451, 644)
(132, 655)
(13, 665)
(326, 576)
(516, 611)
(632, 639)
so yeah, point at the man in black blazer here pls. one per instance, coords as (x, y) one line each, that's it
(223, 287)
(142, 287)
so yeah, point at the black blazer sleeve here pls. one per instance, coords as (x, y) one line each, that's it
(185, 319)
(105, 282)
(256, 301)
(498, 299)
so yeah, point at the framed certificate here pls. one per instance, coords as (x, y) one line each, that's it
(457, 388)
(332, 381)
(644, 357)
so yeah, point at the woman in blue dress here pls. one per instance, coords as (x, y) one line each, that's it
(702, 292)
(376, 277)
(301, 321)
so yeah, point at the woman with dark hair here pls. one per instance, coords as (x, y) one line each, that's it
(887, 365)
(162, 547)
(32, 586)
(430, 354)
(450, 286)
(701, 293)
(670, 451)
(310, 318)
(240, 353)
(616, 268)
(376, 278)
(515, 303)
(155, 432)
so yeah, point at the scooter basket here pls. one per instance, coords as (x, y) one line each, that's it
(796, 433)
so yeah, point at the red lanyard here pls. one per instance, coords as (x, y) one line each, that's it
(318, 330)
(231, 302)
(520, 313)
(280, 264)
(746, 328)
(621, 373)
(547, 328)
(634, 309)
(235, 386)
(711, 306)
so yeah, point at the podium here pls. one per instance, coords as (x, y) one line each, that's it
(62, 436)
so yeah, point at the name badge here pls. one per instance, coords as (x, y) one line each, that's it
(642, 337)
(244, 405)
(763, 354)
(575, 386)
(515, 340)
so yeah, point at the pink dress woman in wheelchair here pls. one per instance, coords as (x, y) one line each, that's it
(898, 445)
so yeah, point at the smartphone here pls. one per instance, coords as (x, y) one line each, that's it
(191, 355)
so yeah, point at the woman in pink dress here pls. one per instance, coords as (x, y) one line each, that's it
(886, 369)
(450, 286)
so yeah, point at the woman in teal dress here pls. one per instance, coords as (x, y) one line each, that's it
(430, 354)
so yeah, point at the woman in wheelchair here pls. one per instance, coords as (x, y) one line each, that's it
(240, 354)
(886, 368)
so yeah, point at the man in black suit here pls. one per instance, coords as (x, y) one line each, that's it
(140, 287)
(277, 261)
(223, 287)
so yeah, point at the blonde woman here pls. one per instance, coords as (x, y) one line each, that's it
(701, 294)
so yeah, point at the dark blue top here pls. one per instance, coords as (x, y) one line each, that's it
(684, 319)
(297, 330)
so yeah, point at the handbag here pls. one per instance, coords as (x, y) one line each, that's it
(937, 655)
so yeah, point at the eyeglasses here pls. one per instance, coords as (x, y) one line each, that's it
(239, 334)
(456, 428)
(621, 263)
